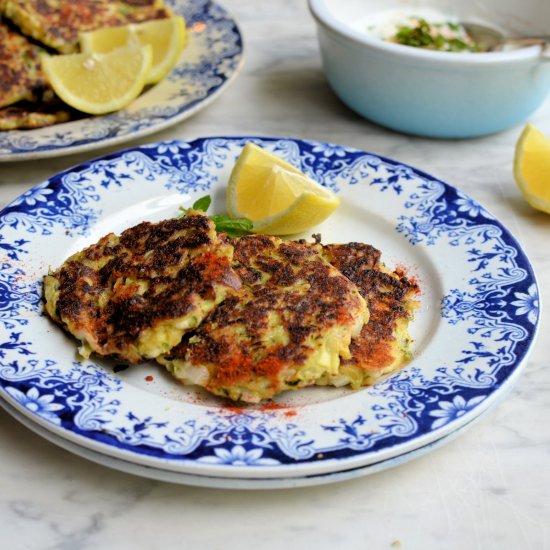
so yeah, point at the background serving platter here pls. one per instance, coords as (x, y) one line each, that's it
(477, 321)
(210, 62)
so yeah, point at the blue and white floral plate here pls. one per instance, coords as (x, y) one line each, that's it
(211, 60)
(229, 482)
(476, 323)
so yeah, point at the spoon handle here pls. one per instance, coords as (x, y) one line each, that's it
(528, 41)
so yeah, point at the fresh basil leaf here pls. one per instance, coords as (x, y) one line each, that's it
(203, 204)
(234, 227)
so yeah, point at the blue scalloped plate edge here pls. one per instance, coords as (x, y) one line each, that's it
(235, 483)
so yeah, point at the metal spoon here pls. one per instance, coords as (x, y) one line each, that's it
(491, 40)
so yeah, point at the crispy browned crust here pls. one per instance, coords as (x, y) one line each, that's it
(21, 76)
(121, 286)
(57, 23)
(389, 296)
(27, 116)
(282, 280)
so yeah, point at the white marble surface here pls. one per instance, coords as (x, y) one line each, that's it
(486, 490)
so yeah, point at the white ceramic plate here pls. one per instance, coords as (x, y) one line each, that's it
(209, 63)
(477, 320)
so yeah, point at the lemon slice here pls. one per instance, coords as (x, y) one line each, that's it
(167, 37)
(99, 83)
(276, 196)
(532, 167)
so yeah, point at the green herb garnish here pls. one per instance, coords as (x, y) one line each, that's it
(431, 37)
(202, 204)
(234, 227)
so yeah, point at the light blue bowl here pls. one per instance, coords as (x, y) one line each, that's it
(430, 93)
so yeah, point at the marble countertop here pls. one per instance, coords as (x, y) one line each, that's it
(487, 489)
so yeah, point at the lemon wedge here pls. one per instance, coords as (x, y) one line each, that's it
(167, 38)
(276, 196)
(99, 83)
(532, 167)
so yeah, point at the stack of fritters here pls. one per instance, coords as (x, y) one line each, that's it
(57, 23)
(26, 100)
(29, 28)
(245, 318)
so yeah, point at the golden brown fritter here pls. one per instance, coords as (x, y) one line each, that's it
(57, 23)
(21, 76)
(134, 296)
(384, 344)
(28, 115)
(289, 324)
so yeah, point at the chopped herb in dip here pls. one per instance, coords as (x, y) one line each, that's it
(446, 37)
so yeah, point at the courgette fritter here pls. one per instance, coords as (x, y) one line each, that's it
(21, 76)
(133, 296)
(383, 345)
(25, 115)
(57, 23)
(289, 325)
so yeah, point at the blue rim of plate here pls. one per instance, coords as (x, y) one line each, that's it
(487, 318)
(234, 483)
(211, 61)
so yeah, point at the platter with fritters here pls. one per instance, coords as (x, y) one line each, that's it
(29, 29)
(31, 114)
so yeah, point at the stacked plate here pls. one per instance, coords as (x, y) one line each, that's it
(476, 323)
